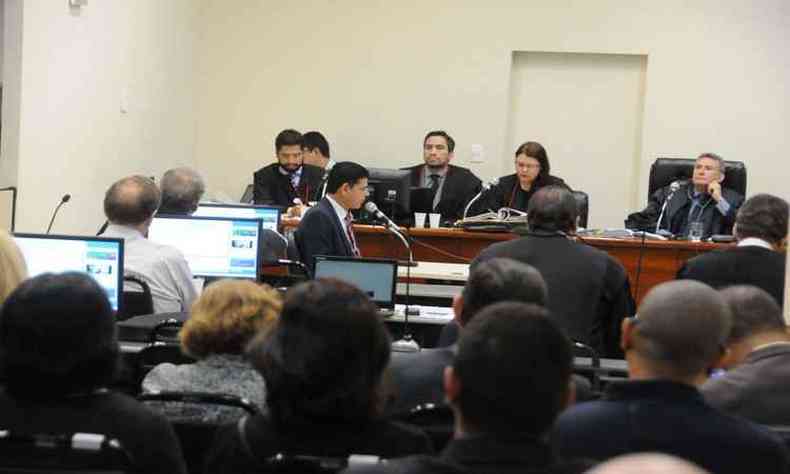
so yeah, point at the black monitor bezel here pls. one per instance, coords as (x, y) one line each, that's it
(393, 262)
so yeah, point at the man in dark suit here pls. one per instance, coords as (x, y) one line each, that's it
(761, 231)
(702, 199)
(417, 376)
(677, 338)
(756, 385)
(288, 183)
(326, 228)
(589, 294)
(451, 187)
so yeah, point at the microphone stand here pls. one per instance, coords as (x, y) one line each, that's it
(407, 342)
(672, 191)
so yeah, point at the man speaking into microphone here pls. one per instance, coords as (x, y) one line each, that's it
(702, 199)
(326, 228)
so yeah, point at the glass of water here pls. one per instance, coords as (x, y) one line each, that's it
(695, 231)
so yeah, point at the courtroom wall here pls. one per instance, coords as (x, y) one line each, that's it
(103, 91)
(376, 75)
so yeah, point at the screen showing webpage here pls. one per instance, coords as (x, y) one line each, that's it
(269, 216)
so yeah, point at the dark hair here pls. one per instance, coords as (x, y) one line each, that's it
(57, 337)
(288, 137)
(514, 365)
(552, 209)
(536, 150)
(345, 172)
(325, 356)
(763, 216)
(441, 133)
(313, 140)
(682, 327)
(182, 189)
(501, 279)
(754, 311)
(131, 200)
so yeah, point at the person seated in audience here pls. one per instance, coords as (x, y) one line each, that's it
(757, 383)
(12, 266)
(509, 380)
(182, 189)
(288, 183)
(58, 353)
(228, 314)
(417, 377)
(589, 293)
(647, 463)
(323, 363)
(701, 199)
(759, 259)
(515, 190)
(677, 338)
(130, 205)
(451, 187)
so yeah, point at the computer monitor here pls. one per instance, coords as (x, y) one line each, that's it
(390, 189)
(375, 277)
(99, 257)
(269, 215)
(214, 247)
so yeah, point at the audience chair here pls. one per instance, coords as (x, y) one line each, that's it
(664, 171)
(197, 438)
(163, 347)
(436, 420)
(285, 464)
(582, 208)
(782, 431)
(586, 351)
(135, 302)
(76, 453)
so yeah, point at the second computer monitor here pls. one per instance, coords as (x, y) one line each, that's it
(214, 247)
(269, 215)
(390, 190)
(375, 277)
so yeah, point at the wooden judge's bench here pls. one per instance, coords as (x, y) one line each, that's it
(660, 259)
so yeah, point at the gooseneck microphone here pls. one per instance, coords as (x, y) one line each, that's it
(673, 188)
(63, 201)
(485, 188)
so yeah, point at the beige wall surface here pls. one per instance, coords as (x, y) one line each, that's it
(374, 76)
(104, 91)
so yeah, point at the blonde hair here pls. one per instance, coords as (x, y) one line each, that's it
(227, 316)
(12, 265)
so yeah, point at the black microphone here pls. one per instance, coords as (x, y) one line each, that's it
(63, 201)
(13, 204)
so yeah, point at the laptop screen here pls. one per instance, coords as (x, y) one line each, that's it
(220, 247)
(374, 277)
(269, 215)
(99, 257)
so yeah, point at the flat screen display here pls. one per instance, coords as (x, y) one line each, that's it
(269, 215)
(374, 277)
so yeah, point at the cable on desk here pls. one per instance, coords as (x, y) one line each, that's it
(440, 251)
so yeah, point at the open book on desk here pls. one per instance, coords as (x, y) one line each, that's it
(619, 234)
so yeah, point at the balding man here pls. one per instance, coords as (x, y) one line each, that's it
(677, 338)
(647, 463)
(182, 189)
(130, 205)
(759, 259)
(757, 384)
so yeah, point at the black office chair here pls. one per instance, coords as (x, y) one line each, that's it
(664, 171)
(436, 420)
(135, 302)
(783, 431)
(582, 207)
(76, 453)
(581, 349)
(164, 346)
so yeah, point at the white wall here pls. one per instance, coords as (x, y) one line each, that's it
(104, 91)
(376, 75)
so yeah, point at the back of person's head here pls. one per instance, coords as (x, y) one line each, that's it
(12, 265)
(647, 463)
(131, 200)
(762, 216)
(288, 137)
(501, 279)
(345, 172)
(228, 314)
(754, 312)
(57, 337)
(324, 357)
(552, 209)
(681, 329)
(182, 189)
(315, 140)
(514, 367)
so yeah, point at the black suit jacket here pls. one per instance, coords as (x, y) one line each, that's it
(748, 265)
(320, 232)
(460, 186)
(274, 188)
(505, 194)
(589, 293)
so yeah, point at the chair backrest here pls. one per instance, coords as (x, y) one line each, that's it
(436, 420)
(783, 431)
(582, 207)
(664, 171)
(75, 453)
(136, 302)
(247, 195)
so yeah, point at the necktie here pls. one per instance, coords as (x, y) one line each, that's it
(294, 181)
(350, 233)
(434, 188)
